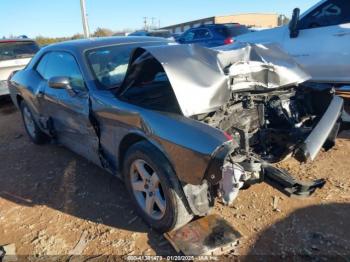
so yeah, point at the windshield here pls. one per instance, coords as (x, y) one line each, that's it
(109, 64)
(16, 50)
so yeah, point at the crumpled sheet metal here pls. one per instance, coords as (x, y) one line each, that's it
(260, 66)
(203, 79)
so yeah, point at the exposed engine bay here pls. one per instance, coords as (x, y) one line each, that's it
(269, 127)
(269, 124)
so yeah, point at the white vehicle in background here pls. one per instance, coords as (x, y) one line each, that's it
(15, 54)
(319, 40)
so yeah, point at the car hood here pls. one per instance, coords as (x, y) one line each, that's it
(203, 79)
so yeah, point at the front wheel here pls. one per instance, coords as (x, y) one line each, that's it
(31, 127)
(154, 188)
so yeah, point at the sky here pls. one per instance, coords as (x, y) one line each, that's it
(56, 18)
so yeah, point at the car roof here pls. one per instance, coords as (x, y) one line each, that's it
(84, 44)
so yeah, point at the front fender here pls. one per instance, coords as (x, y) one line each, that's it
(187, 143)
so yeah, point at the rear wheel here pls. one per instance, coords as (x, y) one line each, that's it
(31, 127)
(154, 188)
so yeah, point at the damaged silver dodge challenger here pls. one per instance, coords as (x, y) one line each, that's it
(180, 124)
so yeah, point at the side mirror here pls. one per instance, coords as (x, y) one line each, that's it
(60, 82)
(293, 24)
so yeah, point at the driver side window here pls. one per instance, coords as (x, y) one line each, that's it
(332, 12)
(61, 64)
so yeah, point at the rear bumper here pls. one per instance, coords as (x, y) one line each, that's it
(314, 142)
(4, 90)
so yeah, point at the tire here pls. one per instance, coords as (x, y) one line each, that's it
(161, 204)
(31, 127)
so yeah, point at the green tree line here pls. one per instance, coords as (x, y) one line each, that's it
(99, 32)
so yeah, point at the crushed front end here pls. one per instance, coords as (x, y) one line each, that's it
(272, 114)
(270, 127)
(256, 95)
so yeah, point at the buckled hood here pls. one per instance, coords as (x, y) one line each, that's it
(203, 79)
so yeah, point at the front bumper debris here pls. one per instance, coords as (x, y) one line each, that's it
(314, 142)
(285, 183)
(207, 236)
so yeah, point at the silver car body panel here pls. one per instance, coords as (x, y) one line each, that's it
(203, 79)
(319, 135)
(183, 145)
(6, 68)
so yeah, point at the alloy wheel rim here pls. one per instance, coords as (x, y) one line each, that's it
(29, 122)
(147, 189)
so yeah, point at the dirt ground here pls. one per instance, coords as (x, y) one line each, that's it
(53, 202)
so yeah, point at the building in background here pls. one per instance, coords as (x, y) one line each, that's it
(256, 20)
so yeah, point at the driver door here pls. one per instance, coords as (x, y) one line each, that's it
(323, 44)
(68, 110)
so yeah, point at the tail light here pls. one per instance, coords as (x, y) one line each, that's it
(229, 41)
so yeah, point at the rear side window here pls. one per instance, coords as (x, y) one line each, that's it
(230, 31)
(332, 12)
(16, 50)
(222, 31)
(42, 65)
(238, 30)
(61, 64)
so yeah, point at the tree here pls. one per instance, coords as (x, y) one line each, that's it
(77, 36)
(101, 32)
(41, 40)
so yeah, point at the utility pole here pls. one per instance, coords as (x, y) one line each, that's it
(152, 25)
(84, 18)
(145, 22)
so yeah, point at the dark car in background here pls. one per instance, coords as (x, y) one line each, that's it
(213, 35)
(15, 54)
